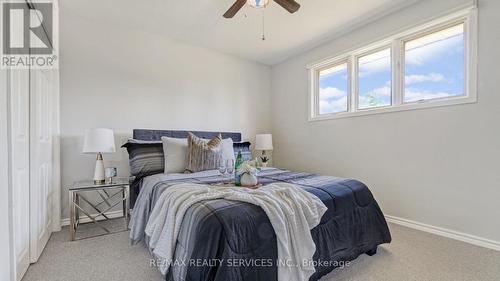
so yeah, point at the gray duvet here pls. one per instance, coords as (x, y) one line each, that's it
(228, 240)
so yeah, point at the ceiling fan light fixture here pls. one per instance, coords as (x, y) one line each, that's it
(258, 3)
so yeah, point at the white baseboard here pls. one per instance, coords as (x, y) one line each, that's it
(85, 219)
(460, 236)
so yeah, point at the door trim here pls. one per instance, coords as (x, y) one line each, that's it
(7, 264)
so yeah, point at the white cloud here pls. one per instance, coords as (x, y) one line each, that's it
(366, 102)
(418, 78)
(374, 67)
(376, 62)
(416, 95)
(375, 97)
(331, 92)
(382, 92)
(333, 106)
(332, 100)
(433, 51)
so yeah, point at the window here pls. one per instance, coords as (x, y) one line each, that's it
(374, 79)
(427, 66)
(333, 87)
(434, 65)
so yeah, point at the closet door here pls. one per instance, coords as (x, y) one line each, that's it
(41, 160)
(20, 167)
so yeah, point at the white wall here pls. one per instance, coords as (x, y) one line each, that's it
(125, 79)
(436, 166)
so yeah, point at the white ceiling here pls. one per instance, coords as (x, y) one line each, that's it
(200, 22)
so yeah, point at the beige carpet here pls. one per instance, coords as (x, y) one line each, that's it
(413, 255)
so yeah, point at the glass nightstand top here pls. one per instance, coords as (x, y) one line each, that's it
(89, 184)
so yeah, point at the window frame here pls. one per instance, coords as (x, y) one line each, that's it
(396, 43)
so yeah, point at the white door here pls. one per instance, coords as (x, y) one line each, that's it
(41, 160)
(20, 167)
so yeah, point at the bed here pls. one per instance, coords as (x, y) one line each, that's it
(215, 232)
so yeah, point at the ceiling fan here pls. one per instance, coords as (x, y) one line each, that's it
(289, 5)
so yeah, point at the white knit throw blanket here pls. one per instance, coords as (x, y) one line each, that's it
(292, 211)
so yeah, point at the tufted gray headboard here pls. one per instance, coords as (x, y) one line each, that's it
(152, 135)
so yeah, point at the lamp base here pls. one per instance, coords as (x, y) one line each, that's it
(99, 171)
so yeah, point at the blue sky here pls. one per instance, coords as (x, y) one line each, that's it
(333, 91)
(437, 74)
(434, 67)
(374, 79)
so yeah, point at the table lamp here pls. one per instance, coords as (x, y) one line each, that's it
(264, 142)
(99, 141)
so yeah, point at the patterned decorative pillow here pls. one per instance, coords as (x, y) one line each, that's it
(204, 154)
(245, 150)
(145, 157)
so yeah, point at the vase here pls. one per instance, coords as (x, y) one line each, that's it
(248, 180)
(264, 164)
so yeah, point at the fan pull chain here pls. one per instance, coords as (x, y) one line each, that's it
(263, 26)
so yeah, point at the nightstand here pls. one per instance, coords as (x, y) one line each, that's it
(110, 194)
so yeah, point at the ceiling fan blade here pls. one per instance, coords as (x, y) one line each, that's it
(235, 8)
(289, 5)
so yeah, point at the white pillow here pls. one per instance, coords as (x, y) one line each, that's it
(175, 151)
(227, 149)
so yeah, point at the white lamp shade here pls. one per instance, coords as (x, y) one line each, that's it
(264, 142)
(99, 141)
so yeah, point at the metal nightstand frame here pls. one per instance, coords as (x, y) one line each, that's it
(107, 192)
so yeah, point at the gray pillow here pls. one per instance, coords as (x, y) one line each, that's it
(145, 157)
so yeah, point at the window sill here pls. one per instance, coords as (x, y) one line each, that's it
(397, 108)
